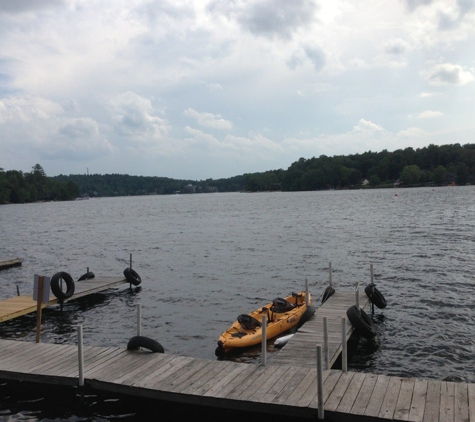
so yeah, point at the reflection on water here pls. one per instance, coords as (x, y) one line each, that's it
(204, 259)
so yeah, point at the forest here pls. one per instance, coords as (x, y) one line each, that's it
(428, 166)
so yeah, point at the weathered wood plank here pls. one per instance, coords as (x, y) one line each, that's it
(339, 391)
(388, 405)
(354, 388)
(447, 401)
(431, 413)
(376, 400)
(403, 404)
(364, 395)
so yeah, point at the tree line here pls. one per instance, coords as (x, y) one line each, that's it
(432, 165)
(17, 187)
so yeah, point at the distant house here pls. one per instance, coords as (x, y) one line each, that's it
(365, 182)
(397, 183)
(190, 188)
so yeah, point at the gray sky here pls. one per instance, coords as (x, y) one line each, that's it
(192, 89)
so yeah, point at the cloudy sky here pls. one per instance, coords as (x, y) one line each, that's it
(198, 89)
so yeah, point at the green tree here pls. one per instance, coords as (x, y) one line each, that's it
(411, 175)
(439, 174)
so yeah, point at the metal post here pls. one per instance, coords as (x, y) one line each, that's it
(39, 307)
(357, 294)
(139, 319)
(371, 271)
(80, 357)
(264, 339)
(344, 352)
(326, 358)
(306, 293)
(320, 383)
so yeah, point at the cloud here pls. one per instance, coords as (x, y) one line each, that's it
(136, 120)
(429, 114)
(209, 120)
(316, 56)
(397, 47)
(277, 18)
(21, 6)
(414, 4)
(448, 74)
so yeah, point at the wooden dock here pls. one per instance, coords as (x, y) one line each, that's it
(300, 351)
(10, 262)
(271, 389)
(22, 305)
(287, 385)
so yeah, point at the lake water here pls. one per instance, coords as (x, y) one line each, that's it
(204, 259)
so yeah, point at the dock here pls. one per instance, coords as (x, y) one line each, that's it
(24, 304)
(10, 262)
(300, 351)
(284, 386)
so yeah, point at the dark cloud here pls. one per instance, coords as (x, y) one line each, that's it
(414, 4)
(21, 6)
(448, 22)
(316, 56)
(277, 18)
(395, 47)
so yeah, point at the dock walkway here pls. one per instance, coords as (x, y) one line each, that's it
(24, 304)
(271, 389)
(300, 351)
(284, 386)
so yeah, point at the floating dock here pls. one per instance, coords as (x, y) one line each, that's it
(22, 305)
(10, 262)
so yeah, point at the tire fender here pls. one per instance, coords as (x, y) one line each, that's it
(138, 342)
(375, 296)
(86, 276)
(327, 293)
(361, 321)
(56, 285)
(132, 276)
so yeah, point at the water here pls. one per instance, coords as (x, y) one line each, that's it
(204, 259)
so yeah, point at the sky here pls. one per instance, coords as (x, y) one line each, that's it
(211, 89)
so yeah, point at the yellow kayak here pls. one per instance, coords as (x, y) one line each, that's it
(282, 314)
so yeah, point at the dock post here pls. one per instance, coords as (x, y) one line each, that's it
(372, 282)
(325, 343)
(306, 293)
(139, 319)
(264, 339)
(320, 383)
(39, 302)
(357, 294)
(80, 357)
(344, 351)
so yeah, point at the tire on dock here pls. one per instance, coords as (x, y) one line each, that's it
(375, 296)
(361, 321)
(132, 276)
(138, 342)
(86, 276)
(327, 293)
(57, 285)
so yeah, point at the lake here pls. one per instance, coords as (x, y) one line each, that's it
(206, 258)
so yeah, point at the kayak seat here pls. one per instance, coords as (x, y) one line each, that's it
(248, 322)
(280, 305)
